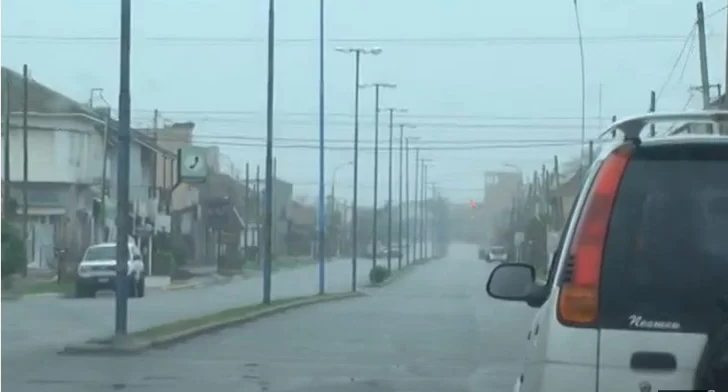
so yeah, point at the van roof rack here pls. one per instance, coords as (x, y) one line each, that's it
(631, 127)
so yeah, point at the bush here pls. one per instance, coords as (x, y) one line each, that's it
(378, 274)
(13, 250)
(163, 264)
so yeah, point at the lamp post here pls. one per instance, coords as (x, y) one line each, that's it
(401, 178)
(355, 203)
(390, 201)
(423, 207)
(377, 87)
(407, 197)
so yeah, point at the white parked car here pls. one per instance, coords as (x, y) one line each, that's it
(97, 270)
(636, 298)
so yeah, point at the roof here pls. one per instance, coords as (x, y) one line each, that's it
(43, 99)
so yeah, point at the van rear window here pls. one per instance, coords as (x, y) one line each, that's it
(666, 256)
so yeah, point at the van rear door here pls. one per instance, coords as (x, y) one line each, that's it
(665, 266)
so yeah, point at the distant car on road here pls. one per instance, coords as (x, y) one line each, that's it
(497, 254)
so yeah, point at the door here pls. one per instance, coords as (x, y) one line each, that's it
(665, 267)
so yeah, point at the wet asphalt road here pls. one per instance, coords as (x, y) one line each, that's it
(433, 330)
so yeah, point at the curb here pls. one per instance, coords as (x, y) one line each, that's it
(18, 297)
(131, 345)
(396, 275)
(180, 286)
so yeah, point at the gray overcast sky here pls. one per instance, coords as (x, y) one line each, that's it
(457, 90)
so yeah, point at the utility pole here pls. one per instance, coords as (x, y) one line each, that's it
(355, 202)
(155, 136)
(401, 178)
(407, 198)
(122, 198)
(268, 247)
(557, 185)
(423, 220)
(25, 164)
(591, 152)
(246, 212)
(7, 204)
(704, 79)
(321, 233)
(653, 101)
(399, 205)
(377, 87)
(258, 250)
(389, 204)
(104, 175)
(416, 192)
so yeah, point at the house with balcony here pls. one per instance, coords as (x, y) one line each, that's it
(65, 171)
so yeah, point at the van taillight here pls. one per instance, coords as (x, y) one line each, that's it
(579, 297)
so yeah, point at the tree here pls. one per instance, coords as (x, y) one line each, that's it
(14, 256)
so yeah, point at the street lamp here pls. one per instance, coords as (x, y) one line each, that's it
(376, 86)
(399, 208)
(407, 195)
(268, 216)
(423, 206)
(355, 203)
(389, 205)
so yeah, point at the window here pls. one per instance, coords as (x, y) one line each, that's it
(666, 255)
(100, 253)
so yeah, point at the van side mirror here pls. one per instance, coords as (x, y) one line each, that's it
(511, 282)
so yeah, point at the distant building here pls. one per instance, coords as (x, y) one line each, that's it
(499, 191)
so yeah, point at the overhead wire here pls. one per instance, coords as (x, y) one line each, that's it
(407, 115)
(409, 41)
(371, 148)
(676, 63)
(414, 143)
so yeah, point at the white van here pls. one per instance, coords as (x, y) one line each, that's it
(637, 294)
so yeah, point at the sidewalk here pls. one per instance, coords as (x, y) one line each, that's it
(49, 323)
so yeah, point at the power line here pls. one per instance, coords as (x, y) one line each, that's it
(688, 40)
(408, 41)
(351, 115)
(440, 126)
(371, 148)
(413, 143)
(676, 64)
